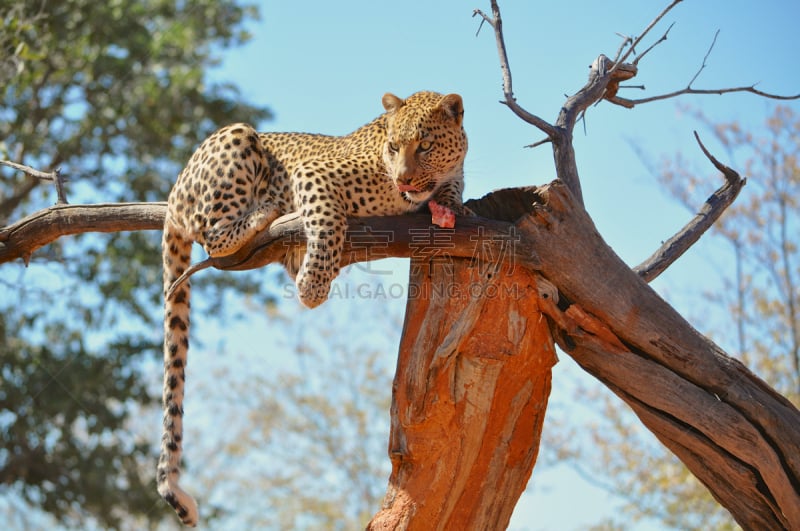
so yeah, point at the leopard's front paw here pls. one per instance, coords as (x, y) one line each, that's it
(312, 290)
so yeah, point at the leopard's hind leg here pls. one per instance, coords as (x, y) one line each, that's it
(233, 191)
(228, 237)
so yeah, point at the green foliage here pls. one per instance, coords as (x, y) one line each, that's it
(117, 94)
(63, 428)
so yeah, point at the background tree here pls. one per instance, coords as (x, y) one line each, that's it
(309, 450)
(116, 94)
(755, 316)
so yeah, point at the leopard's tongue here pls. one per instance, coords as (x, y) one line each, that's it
(407, 188)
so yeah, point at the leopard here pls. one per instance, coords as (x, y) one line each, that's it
(238, 181)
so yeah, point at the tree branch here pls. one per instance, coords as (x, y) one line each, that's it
(22, 238)
(631, 103)
(705, 58)
(621, 59)
(659, 41)
(372, 238)
(53, 176)
(496, 22)
(628, 103)
(712, 209)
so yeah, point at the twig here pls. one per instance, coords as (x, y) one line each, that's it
(626, 40)
(496, 22)
(638, 39)
(54, 176)
(659, 41)
(539, 143)
(705, 58)
(713, 208)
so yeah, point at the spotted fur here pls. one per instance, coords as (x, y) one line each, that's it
(239, 181)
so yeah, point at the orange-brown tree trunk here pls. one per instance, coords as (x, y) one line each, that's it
(469, 396)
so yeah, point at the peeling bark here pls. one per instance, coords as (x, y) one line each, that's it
(469, 396)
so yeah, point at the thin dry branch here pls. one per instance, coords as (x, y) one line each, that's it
(712, 209)
(54, 176)
(631, 103)
(496, 22)
(659, 41)
(750, 89)
(705, 58)
(621, 59)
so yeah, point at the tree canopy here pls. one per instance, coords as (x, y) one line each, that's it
(116, 94)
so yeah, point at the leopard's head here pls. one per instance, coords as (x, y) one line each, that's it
(425, 144)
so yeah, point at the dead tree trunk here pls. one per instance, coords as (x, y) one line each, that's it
(469, 396)
(473, 373)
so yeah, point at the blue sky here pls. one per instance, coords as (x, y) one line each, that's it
(323, 67)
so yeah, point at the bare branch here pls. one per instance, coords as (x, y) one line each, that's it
(659, 41)
(54, 176)
(191, 270)
(705, 58)
(638, 39)
(28, 170)
(626, 40)
(713, 208)
(629, 103)
(539, 143)
(496, 22)
(22, 238)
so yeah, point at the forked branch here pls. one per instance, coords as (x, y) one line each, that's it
(631, 103)
(621, 58)
(54, 176)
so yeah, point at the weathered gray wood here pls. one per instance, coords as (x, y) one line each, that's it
(706, 407)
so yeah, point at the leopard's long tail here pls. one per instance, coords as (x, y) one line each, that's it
(176, 254)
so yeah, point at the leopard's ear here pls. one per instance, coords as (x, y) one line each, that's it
(391, 102)
(453, 106)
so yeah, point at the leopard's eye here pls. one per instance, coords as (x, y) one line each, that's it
(425, 145)
(393, 148)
